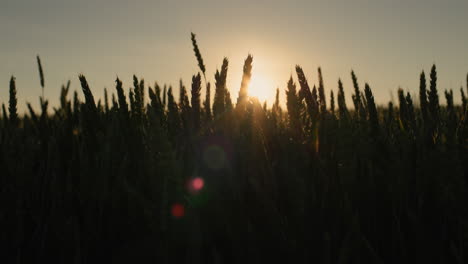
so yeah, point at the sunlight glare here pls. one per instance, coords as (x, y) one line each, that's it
(261, 87)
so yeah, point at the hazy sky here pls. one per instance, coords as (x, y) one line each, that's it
(387, 43)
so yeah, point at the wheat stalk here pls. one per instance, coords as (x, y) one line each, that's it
(198, 55)
(41, 73)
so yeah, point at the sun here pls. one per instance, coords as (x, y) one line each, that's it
(261, 87)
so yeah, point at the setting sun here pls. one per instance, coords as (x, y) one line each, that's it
(261, 87)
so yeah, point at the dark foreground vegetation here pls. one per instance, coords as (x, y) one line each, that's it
(141, 176)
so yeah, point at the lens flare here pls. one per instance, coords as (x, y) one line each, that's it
(177, 210)
(197, 184)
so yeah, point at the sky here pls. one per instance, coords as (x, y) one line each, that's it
(387, 43)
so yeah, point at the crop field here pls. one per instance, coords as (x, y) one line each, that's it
(161, 174)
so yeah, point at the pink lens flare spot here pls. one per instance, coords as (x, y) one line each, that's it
(197, 184)
(177, 210)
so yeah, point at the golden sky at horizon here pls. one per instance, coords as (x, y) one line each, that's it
(387, 44)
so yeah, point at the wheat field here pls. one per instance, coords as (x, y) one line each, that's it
(140, 176)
